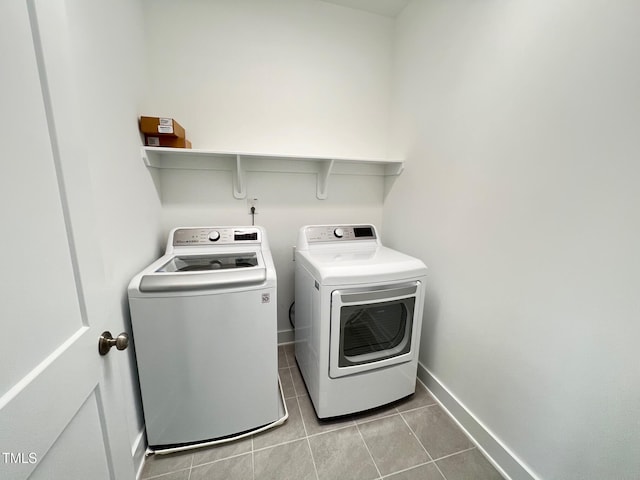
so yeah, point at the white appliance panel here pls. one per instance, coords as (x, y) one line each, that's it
(352, 270)
(207, 360)
(205, 332)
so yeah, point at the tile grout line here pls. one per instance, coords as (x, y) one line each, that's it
(416, 436)
(369, 451)
(286, 442)
(304, 425)
(342, 427)
(295, 389)
(418, 408)
(313, 460)
(435, 460)
(291, 362)
(362, 422)
(160, 475)
(191, 466)
(447, 456)
(439, 458)
(293, 385)
(423, 447)
(455, 453)
(407, 469)
(295, 365)
(306, 436)
(253, 461)
(235, 455)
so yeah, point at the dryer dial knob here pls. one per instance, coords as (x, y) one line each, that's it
(338, 232)
(214, 236)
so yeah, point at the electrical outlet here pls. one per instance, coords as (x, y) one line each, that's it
(252, 202)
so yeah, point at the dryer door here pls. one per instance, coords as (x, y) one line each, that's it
(372, 327)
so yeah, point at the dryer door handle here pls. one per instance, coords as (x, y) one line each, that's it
(374, 295)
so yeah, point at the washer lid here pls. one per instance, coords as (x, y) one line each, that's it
(174, 273)
(199, 263)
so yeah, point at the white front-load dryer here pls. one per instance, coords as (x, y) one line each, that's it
(358, 318)
(205, 332)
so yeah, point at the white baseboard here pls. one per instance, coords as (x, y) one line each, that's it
(138, 450)
(285, 336)
(497, 453)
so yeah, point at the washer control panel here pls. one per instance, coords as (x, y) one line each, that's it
(214, 236)
(340, 233)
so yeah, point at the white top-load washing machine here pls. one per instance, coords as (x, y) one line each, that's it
(205, 332)
(358, 318)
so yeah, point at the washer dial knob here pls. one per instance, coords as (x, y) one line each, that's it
(214, 235)
(338, 232)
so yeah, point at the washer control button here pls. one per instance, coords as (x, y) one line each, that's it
(338, 232)
(214, 235)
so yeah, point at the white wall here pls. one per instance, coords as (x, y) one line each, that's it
(270, 76)
(286, 202)
(281, 76)
(520, 125)
(110, 74)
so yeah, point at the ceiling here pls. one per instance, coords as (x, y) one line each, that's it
(387, 8)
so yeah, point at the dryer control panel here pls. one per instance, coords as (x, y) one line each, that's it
(339, 233)
(183, 237)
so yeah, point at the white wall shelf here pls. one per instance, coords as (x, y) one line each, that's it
(240, 163)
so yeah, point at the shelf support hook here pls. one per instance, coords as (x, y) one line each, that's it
(322, 185)
(239, 186)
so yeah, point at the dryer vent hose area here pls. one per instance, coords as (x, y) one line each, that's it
(292, 315)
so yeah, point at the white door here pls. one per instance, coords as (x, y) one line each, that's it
(58, 405)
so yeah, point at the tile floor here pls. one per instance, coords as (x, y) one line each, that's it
(408, 440)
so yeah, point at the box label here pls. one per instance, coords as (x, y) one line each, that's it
(165, 128)
(165, 121)
(153, 141)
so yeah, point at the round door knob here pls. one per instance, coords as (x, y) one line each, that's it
(338, 232)
(107, 341)
(214, 236)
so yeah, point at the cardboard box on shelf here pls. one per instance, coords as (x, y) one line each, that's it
(165, 141)
(161, 127)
